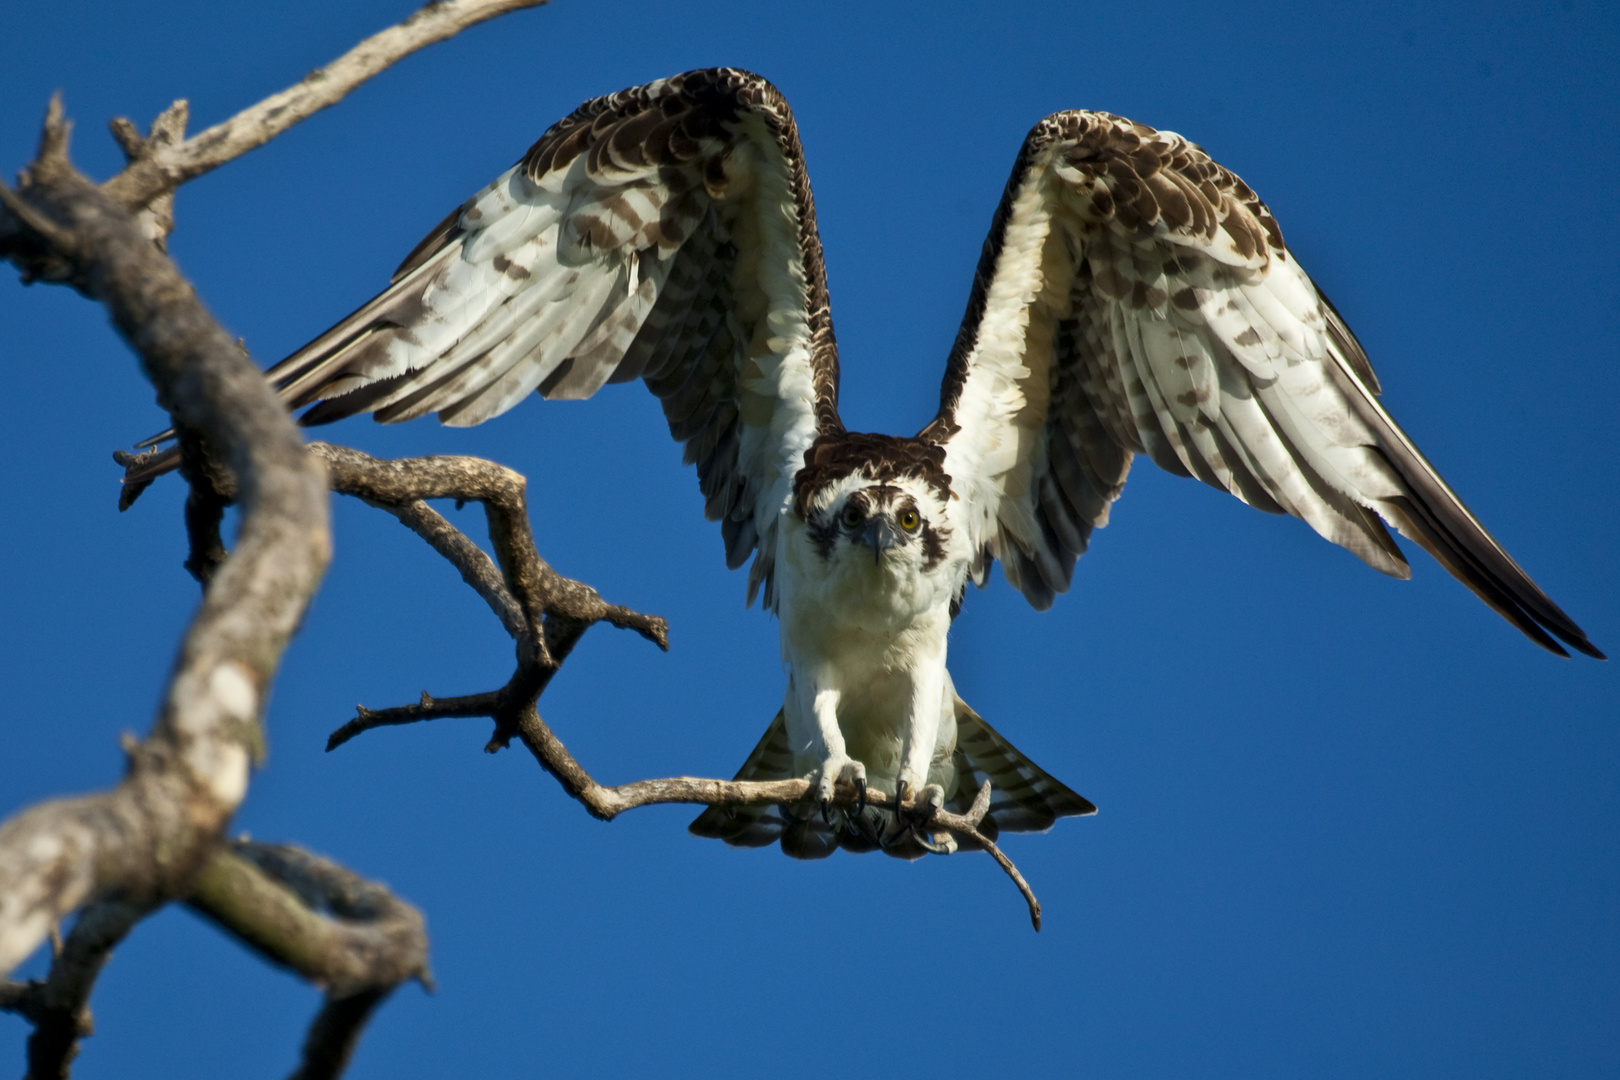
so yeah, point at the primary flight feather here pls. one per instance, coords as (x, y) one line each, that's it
(1133, 297)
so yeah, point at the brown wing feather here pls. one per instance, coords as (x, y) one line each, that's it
(665, 232)
(1134, 297)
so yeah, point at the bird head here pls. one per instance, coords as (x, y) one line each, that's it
(894, 522)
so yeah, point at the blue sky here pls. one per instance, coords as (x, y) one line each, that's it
(1349, 826)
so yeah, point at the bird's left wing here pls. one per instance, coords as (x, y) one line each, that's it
(1136, 297)
(665, 232)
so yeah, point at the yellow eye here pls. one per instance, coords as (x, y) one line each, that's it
(852, 517)
(909, 520)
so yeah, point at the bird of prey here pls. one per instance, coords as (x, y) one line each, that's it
(1133, 298)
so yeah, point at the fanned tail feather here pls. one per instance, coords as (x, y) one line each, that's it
(1024, 798)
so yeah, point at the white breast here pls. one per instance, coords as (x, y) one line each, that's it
(874, 625)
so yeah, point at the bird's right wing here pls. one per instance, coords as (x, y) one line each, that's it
(1135, 297)
(665, 232)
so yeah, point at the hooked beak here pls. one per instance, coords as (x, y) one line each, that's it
(880, 533)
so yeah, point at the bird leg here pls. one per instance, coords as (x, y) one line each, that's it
(820, 702)
(917, 752)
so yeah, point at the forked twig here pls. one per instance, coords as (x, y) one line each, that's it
(120, 854)
(523, 590)
(171, 164)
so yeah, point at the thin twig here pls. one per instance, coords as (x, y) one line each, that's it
(477, 569)
(429, 708)
(165, 168)
(205, 512)
(335, 1032)
(959, 824)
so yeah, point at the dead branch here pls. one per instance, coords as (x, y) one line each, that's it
(308, 914)
(332, 927)
(296, 910)
(143, 840)
(477, 569)
(161, 161)
(58, 1006)
(528, 592)
(335, 1032)
(192, 773)
(205, 512)
(160, 168)
(156, 215)
(540, 591)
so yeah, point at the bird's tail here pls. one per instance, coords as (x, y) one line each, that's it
(1023, 798)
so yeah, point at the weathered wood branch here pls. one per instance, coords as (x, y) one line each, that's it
(539, 590)
(59, 1005)
(344, 933)
(155, 216)
(524, 590)
(164, 167)
(162, 160)
(298, 911)
(312, 916)
(477, 569)
(143, 841)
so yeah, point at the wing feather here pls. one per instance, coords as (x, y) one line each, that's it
(665, 232)
(1136, 297)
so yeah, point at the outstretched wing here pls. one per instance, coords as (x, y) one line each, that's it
(1135, 297)
(666, 233)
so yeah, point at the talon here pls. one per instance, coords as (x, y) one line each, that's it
(860, 795)
(901, 826)
(826, 811)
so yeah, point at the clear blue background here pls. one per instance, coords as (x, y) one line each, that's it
(1349, 826)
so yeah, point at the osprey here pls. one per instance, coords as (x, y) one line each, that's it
(1133, 297)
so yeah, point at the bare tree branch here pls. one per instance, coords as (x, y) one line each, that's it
(332, 927)
(335, 1032)
(58, 1006)
(166, 167)
(308, 914)
(296, 910)
(156, 216)
(539, 589)
(205, 512)
(143, 840)
(477, 569)
(565, 609)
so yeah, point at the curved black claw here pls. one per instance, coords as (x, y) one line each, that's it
(860, 798)
(901, 827)
(826, 811)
